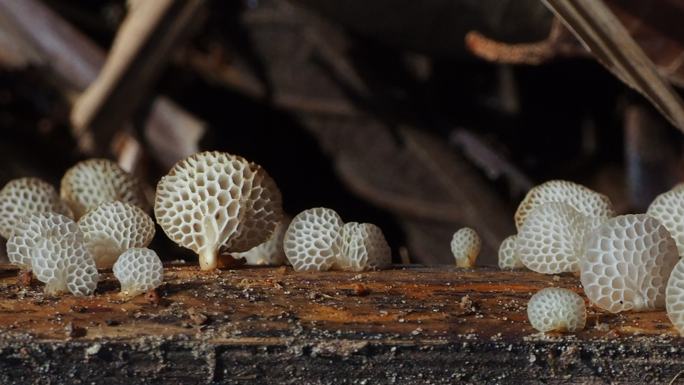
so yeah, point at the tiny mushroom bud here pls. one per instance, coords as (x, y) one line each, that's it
(311, 241)
(139, 270)
(363, 247)
(508, 257)
(465, 246)
(556, 309)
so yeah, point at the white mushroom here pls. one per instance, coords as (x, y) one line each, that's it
(551, 240)
(465, 246)
(674, 297)
(215, 200)
(92, 182)
(627, 263)
(363, 247)
(556, 309)
(138, 270)
(267, 253)
(668, 208)
(312, 241)
(25, 196)
(113, 228)
(508, 257)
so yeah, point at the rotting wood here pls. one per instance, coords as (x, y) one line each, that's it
(437, 325)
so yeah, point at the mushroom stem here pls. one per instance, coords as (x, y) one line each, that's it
(208, 259)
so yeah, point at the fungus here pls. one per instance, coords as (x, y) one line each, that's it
(362, 247)
(508, 257)
(674, 297)
(113, 228)
(551, 240)
(54, 247)
(267, 253)
(138, 270)
(465, 246)
(92, 182)
(214, 200)
(25, 196)
(597, 207)
(311, 241)
(668, 208)
(627, 263)
(556, 309)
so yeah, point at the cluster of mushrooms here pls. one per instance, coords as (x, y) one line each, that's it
(625, 263)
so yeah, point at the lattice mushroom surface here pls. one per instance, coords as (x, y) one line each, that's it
(556, 309)
(595, 206)
(627, 264)
(93, 182)
(363, 247)
(668, 208)
(215, 200)
(311, 241)
(113, 228)
(26, 196)
(465, 246)
(508, 257)
(138, 270)
(674, 297)
(551, 240)
(268, 253)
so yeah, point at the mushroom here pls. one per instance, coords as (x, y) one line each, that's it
(267, 253)
(363, 247)
(597, 207)
(58, 257)
(551, 240)
(113, 228)
(627, 263)
(25, 196)
(465, 246)
(674, 297)
(508, 258)
(215, 200)
(556, 309)
(92, 182)
(668, 208)
(312, 241)
(138, 270)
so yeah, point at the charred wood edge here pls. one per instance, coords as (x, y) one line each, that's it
(73, 61)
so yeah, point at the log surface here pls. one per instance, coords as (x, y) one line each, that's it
(408, 325)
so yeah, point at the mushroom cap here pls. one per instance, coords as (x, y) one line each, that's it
(311, 241)
(556, 309)
(113, 228)
(627, 263)
(508, 257)
(214, 200)
(54, 245)
(25, 196)
(267, 253)
(551, 240)
(597, 207)
(138, 271)
(668, 208)
(91, 182)
(363, 247)
(465, 246)
(674, 297)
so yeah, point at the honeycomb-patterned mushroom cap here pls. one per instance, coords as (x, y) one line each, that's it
(674, 297)
(627, 263)
(363, 247)
(138, 270)
(215, 200)
(93, 182)
(54, 245)
(668, 208)
(25, 196)
(556, 309)
(465, 246)
(508, 257)
(311, 241)
(551, 240)
(268, 253)
(113, 228)
(595, 206)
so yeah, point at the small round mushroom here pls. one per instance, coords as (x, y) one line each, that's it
(465, 246)
(363, 247)
(25, 196)
(627, 264)
(312, 241)
(595, 206)
(93, 182)
(674, 297)
(668, 208)
(113, 228)
(215, 200)
(269, 253)
(556, 309)
(551, 240)
(138, 270)
(508, 257)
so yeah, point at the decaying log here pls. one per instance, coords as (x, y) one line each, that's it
(408, 325)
